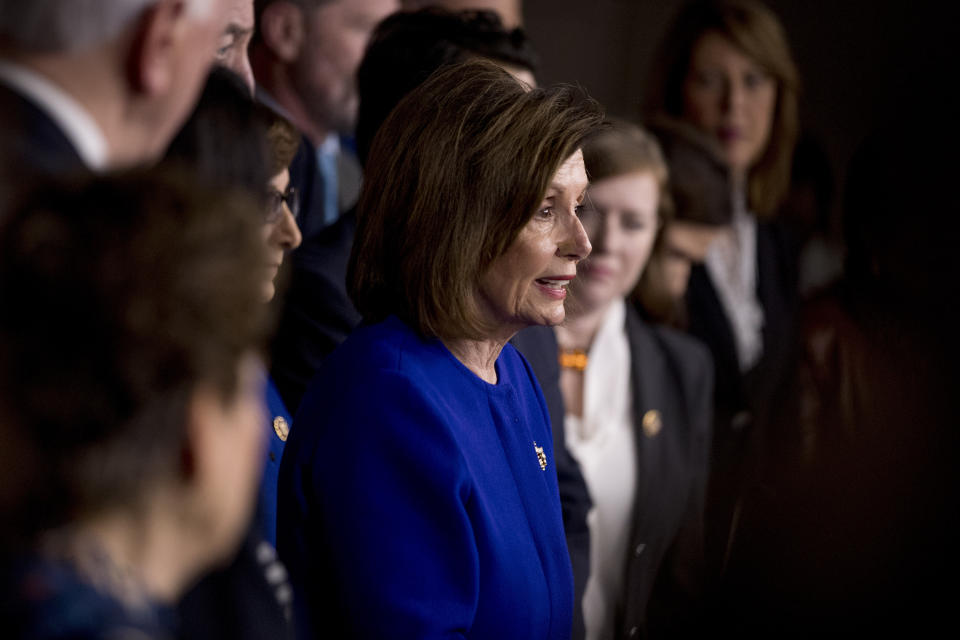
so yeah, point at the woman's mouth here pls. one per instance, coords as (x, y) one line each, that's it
(554, 286)
(729, 134)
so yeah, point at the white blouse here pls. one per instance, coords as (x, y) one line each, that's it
(732, 265)
(603, 442)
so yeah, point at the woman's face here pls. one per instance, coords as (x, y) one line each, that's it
(730, 97)
(527, 285)
(280, 231)
(620, 218)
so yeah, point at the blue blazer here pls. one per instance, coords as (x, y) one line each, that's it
(418, 501)
(276, 431)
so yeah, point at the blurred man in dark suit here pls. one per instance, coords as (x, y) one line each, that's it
(98, 85)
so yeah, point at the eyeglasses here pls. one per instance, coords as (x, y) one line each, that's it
(275, 201)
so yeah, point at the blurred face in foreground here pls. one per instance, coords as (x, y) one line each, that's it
(229, 447)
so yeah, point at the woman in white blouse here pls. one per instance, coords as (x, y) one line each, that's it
(637, 402)
(725, 67)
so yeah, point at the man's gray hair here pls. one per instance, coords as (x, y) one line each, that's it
(50, 26)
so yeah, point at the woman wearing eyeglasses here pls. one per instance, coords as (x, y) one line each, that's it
(282, 234)
(238, 144)
(283, 202)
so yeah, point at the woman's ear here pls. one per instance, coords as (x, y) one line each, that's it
(283, 30)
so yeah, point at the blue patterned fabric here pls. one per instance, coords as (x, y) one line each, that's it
(46, 600)
(267, 506)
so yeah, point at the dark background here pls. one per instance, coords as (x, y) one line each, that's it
(860, 61)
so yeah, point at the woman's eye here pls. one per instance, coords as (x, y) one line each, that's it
(545, 212)
(754, 80)
(708, 79)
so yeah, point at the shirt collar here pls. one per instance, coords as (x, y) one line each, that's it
(76, 122)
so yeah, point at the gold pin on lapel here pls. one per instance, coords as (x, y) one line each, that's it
(652, 423)
(281, 428)
(541, 456)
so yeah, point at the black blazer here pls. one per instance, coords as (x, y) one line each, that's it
(304, 174)
(742, 401)
(32, 147)
(315, 313)
(670, 374)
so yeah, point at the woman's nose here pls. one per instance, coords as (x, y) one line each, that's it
(733, 95)
(576, 244)
(289, 236)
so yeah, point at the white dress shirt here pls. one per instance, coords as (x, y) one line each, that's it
(732, 265)
(603, 442)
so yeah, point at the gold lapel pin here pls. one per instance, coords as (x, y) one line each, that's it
(281, 428)
(652, 423)
(541, 456)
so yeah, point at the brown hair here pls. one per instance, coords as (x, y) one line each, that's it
(282, 139)
(755, 30)
(120, 296)
(625, 148)
(453, 175)
(621, 148)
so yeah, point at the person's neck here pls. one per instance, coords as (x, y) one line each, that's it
(580, 328)
(138, 557)
(480, 356)
(274, 78)
(738, 178)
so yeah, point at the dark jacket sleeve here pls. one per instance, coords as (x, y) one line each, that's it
(677, 594)
(539, 346)
(316, 313)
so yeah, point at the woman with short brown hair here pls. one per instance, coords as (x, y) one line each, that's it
(419, 498)
(130, 333)
(690, 75)
(726, 69)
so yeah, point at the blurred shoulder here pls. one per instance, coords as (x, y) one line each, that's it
(687, 350)
(688, 353)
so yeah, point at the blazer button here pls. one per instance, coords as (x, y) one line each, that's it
(741, 420)
(633, 632)
(639, 549)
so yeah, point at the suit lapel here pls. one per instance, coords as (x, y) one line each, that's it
(649, 376)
